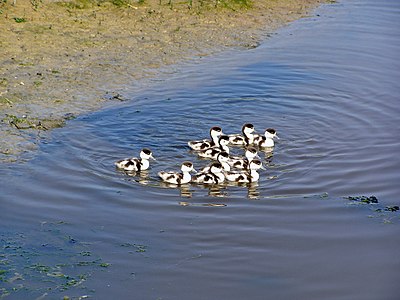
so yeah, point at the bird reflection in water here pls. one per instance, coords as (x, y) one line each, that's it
(220, 190)
(268, 154)
(252, 189)
(217, 190)
(141, 177)
(184, 189)
(187, 190)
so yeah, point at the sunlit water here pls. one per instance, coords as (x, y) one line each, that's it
(330, 86)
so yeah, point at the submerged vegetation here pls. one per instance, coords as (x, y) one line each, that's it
(378, 211)
(363, 199)
(47, 262)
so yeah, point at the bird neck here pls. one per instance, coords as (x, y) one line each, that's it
(224, 148)
(248, 138)
(186, 177)
(226, 166)
(144, 164)
(214, 139)
(218, 177)
(254, 175)
(269, 142)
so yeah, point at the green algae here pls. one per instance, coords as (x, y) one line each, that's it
(363, 199)
(45, 261)
(138, 247)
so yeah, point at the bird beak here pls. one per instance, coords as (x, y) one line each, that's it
(152, 157)
(258, 156)
(262, 167)
(277, 137)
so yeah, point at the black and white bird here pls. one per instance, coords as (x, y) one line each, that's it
(240, 162)
(223, 159)
(246, 176)
(215, 175)
(266, 140)
(215, 133)
(136, 164)
(178, 178)
(244, 139)
(213, 152)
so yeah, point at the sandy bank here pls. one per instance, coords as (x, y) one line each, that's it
(61, 60)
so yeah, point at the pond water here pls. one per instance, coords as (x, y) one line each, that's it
(73, 225)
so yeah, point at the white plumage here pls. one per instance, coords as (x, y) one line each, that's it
(136, 164)
(240, 162)
(266, 140)
(178, 178)
(213, 152)
(214, 176)
(246, 138)
(246, 176)
(215, 133)
(223, 159)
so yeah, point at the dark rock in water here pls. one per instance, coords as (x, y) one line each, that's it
(363, 199)
(69, 116)
(115, 96)
(392, 208)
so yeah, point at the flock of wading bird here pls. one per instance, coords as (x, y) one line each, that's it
(225, 166)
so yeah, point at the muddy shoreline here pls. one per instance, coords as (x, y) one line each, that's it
(59, 60)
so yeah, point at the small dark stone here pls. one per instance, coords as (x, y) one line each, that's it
(69, 116)
(363, 199)
(392, 208)
(117, 96)
(368, 200)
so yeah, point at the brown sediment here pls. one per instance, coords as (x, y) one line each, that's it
(58, 60)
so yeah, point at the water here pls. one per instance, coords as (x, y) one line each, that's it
(328, 84)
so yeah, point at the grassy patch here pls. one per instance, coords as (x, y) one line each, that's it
(26, 122)
(19, 20)
(235, 4)
(77, 4)
(120, 2)
(23, 122)
(82, 4)
(5, 100)
(37, 83)
(39, 29)
(35, 4)
(3, 82)
(206, 4)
